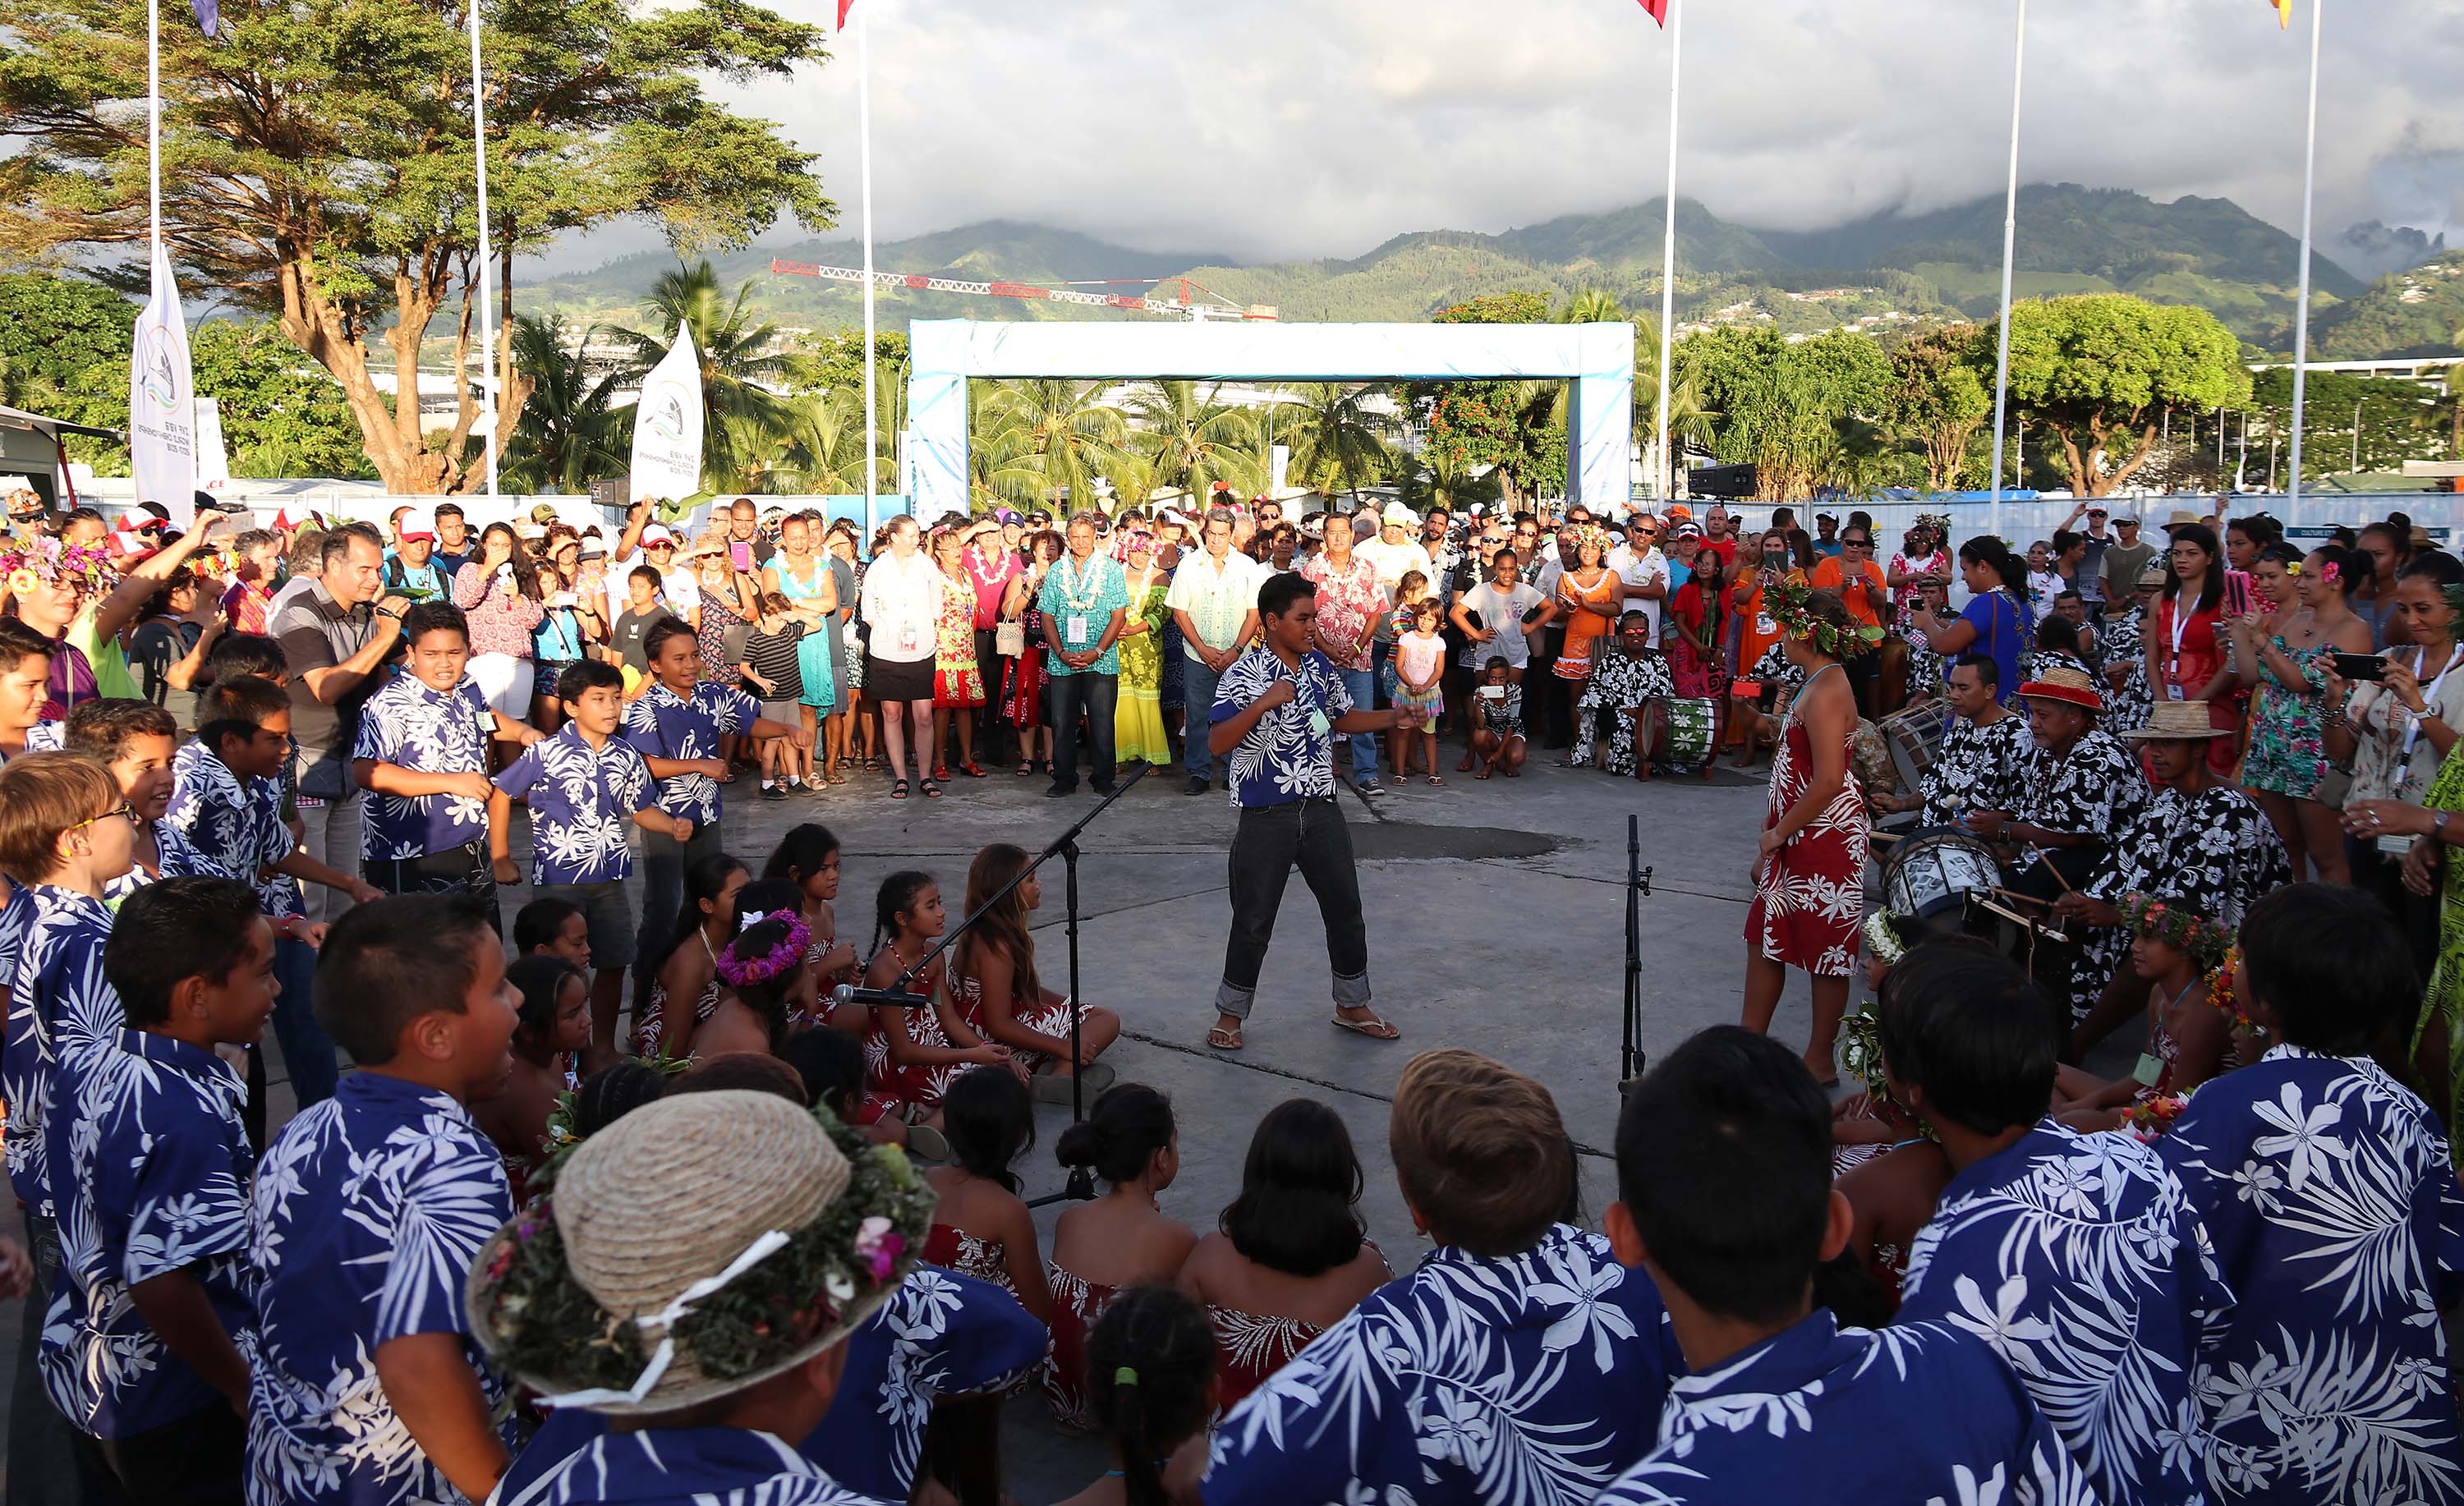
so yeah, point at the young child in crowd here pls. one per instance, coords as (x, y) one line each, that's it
(25, 681)
(2092, 1295)
(551, 1027)
(808, 858)
(360, 1319)
(586, 789)
(686, 964)
(1724, 1183)
(1496, 723)
(980, 1226)
(133, 739)
(145, 1349)
(997, 984)
(1131, 1143)
(1487, 1173)
(2188, 1039)
(641, 612)
(1419, 668)
(1150, 1386)
(770, 662)
(433, 822)
(910, 1056)
(2296, 1165)
(759, 973)
(549, 927)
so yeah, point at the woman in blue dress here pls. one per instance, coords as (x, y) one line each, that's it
(807, 579)
(1997, 622)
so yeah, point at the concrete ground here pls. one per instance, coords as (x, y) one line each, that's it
(1496, 915)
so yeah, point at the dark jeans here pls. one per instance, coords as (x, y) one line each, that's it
(1271, 841)
(1095, 695)
(457, 870)
(307, 1051)
(664, 861)
(199, 1460)
(1198, 690)
(992, 728)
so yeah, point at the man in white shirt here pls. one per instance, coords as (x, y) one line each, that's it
(1644, 570)
(648, 543)
(1214, 599)
(1394, 551)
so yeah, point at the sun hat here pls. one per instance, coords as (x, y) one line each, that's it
(2181, 518)
(698, 1246)
(2153, 576)
(2065, 685)
(2176, 721)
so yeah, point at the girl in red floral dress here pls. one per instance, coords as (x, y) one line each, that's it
(1810, 869)
(910, 1055)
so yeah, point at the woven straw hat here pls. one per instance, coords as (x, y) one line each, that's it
(675, 1193)
(2175, 721)
(2069, 686)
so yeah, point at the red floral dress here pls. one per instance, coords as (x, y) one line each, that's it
(1249, 1347)
(1077, 1303)
(1811, 896)
(957, 680)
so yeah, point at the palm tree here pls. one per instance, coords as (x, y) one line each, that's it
(1337, 441)
(823, 449)
(1192, 442)
(1593, 306)
(742, 370)
(1446, 480)
(1069, 435)
(570, 430)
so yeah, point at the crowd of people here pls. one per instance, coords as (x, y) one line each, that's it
(768, 1246)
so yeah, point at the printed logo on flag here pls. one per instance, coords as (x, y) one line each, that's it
(665, 416)
(156, 378)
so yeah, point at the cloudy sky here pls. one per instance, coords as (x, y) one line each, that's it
(1293, 128)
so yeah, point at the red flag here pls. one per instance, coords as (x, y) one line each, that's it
(845, 5)
(1659, 10)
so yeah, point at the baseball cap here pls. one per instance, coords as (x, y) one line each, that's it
(2126, 519)
(657, 536)
(1690, 529)
(419, 523)
(2097, 512)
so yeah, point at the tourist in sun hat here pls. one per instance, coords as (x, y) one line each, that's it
(2083, 786)
(692, 1272)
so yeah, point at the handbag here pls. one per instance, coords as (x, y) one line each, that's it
(1009, 638)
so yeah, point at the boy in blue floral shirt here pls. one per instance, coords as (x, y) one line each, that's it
(422, 753)
(145, 1348)
(675, 724)
(368, 1212)
(586, 790)
(24, 680)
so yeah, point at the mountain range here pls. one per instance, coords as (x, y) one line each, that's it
(1883, 271)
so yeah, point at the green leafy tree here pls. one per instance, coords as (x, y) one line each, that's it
(282, 414)
(318, 165)
(824, 449)
(1498, 424)
(1062, 432)
(1592, 306)
(1939, 399)
(745, 419)
(571, 432)
(1338, 441)
(1782, 407)
(2098, 372)
(2396, 423)
(1191, 441)
(64, 344)
(1445, 480)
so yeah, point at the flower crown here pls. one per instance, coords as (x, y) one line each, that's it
(28, 563)
(735, 970)
(1789, 606)
(2181, 929)
(548, 1324)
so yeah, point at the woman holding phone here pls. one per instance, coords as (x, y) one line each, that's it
(2287, 760)
(2398, 727)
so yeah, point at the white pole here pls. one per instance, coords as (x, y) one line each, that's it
(864, 149)
(1667, 478)
(2010, 247)
(154, 130)
(487, 313)
(2301, 299)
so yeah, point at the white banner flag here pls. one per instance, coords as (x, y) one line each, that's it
(213, 460)
(667, 425)
(162, 419)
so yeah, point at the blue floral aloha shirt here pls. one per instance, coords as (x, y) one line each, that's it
(661, 724)
(583, 802)
(428, 731)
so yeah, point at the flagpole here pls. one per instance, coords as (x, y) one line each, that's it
(864, 149)
(1667, 478)
(2010, 250)
(154, 131)
(2301, 299)
(487, 262)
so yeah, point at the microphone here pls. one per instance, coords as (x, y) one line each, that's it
(891, 998)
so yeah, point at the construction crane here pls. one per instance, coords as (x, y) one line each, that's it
(1206, 306)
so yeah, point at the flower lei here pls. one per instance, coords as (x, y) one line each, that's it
(2187, 930)
(548, 1328)
(31, 563)
(2148, 1122)
(735, 970)
(1787, 603)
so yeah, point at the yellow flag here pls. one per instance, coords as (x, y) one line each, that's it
(2283, 10)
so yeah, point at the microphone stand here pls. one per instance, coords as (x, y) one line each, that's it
(1082, 1181)
(1638, 888)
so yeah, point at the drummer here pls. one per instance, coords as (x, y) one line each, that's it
(1628, 685)
(1981, 763)
(2081, 789)
(2198, 842)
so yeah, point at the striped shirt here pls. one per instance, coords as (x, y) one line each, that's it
(773, 657)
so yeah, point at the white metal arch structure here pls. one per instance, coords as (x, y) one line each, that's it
(1597, 359)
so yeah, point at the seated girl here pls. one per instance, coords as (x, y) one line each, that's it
(1154, 1390)
(763, 975)
(981, 1228)
(689, 967)
(1291, 1255)
(832, 1062)
(1496, 720)
(910, 1055)
(996, 985)
(1886, 1165)
(2189, 1038)
(1099, 1248)
(552, 1024)
(808, 858)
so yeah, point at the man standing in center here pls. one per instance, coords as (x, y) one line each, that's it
(1085, 603)
(1277, 711)
(1214, 599)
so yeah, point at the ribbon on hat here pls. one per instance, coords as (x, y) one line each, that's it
(664, 1322)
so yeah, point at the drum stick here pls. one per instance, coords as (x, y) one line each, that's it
(2050, 868)
(2023, 899)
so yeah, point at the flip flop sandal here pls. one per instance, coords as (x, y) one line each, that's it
(1374, 1028)
(1224, 1039)
(1025, 768)
(898, 789)
(931, 791)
